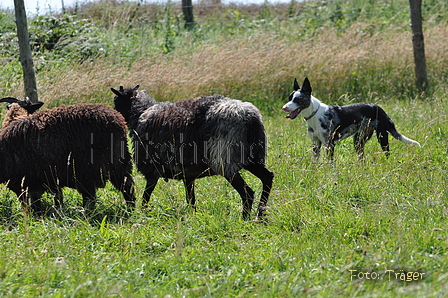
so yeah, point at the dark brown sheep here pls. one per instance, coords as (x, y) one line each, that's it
(194, 138)
(78, 146)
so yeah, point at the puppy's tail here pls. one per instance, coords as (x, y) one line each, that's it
(394, 132)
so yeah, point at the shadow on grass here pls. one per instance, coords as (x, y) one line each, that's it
(11, 213)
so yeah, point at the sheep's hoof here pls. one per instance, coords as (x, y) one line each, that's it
(261, 220)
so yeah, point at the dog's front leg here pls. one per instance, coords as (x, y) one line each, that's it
(330, 148)
(329, 145)
(316, 143)
(316, 149)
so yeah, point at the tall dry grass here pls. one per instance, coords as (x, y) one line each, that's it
(261, 68)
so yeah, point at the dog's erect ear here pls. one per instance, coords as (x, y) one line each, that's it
(296, 85)
(306, 88)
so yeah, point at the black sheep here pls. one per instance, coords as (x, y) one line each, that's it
(194, 138)
(78, 146)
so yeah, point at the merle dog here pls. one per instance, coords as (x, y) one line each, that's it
(328, 124)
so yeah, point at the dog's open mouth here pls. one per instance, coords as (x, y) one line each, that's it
(294, 113)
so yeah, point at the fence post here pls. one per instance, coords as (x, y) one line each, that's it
(26, 59)
(187, 8)
(418, 44)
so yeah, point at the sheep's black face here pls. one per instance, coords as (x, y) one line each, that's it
(30, 106)
(123, 100)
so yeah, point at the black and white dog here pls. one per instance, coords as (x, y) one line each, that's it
(328, 124)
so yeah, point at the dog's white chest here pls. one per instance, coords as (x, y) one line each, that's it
(318, 124)
(316, 132)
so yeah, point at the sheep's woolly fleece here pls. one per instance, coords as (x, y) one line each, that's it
(220, 125)
(79, 146)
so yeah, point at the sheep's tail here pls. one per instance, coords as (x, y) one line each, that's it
(256, 137)
(394, 132)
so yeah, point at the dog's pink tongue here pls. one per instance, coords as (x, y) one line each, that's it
(293, 114)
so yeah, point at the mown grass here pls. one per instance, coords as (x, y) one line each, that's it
(323, 220)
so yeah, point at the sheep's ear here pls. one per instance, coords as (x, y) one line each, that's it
(34, 107)
(9, 100)
(118, 93)
(296, 85)
(136, 87)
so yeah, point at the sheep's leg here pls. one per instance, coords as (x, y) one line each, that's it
(128, 192)
(88, 198)
(150, 185)
(266, 178)
(246, 193)
(31, 201)
(189, 187)
(88, 202)
(126, 186)
(36, 203)
(58, 198)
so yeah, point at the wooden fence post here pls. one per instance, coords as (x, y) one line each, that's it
(187, 8)
(418, 44)
(25, 51)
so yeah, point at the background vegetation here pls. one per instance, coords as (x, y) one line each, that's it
(323, 221)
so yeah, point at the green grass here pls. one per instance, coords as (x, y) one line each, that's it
(323, 221)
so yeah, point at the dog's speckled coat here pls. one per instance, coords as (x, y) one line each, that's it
(328, 124)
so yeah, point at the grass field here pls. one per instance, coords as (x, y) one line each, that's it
(376, 228)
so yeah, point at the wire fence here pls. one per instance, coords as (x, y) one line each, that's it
(234, 19)
(144, 24)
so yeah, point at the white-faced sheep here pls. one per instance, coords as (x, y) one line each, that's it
(194, 138)
(78, 146)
